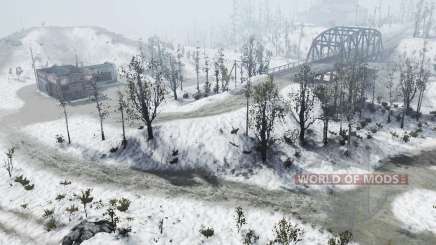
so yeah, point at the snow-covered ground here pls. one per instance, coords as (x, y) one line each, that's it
(207, 143)
(416, 209)
(182, 219)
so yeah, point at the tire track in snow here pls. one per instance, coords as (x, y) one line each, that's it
(25, 228)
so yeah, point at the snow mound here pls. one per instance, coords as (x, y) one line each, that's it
(415, 209)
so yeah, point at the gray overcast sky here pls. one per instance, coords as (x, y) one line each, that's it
(133, 18)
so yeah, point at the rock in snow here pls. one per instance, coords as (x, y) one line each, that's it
(86, 230)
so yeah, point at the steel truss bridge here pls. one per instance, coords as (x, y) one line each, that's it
(341, 44)
(346, 44)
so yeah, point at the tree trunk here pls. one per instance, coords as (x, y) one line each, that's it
(124, 142)
(86, 212)
(325, 132)
(418, 107)
(389, 115)
(66, 123)
(103, 138)
(246, 116)
(349, 133)
(402, 118)
(175, 93)
(150, 131)
(302, 133)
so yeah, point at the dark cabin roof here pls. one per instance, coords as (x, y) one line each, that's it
(61, 70)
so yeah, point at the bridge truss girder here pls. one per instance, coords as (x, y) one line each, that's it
(346, 44)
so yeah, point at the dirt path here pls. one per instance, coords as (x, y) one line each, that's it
(365, 211)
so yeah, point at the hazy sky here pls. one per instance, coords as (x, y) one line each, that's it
(133, 18)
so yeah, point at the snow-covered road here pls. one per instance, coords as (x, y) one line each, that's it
(367, 211)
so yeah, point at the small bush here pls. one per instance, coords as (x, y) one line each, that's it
(113, 149)
(22, 180)
(207, 232)
(112, 217)
(24, 206)
(65, 182)
(414, 134)
(420, 125)
(123, 204)
(394, 134)
(48, 213)
(185, 96)
(71, 210)
(290, 137)
(113, 202)
(240, 218)
(124, 231)
(406, 138)
(60, 139)
(343, 238)
(197, 96)
(297, 154)
(288, 163)
(286, 233)
(250, 238)
(51, 224)
(60, 197)
(175, 160)
(369, 136)
(374, 130)
(29, 187)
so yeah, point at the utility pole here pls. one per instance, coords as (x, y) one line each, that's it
(34, 66)
(247, 94)
(197, 67)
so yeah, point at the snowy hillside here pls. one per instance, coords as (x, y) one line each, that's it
(56, 46)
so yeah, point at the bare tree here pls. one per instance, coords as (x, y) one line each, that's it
(63, 103)
(8, 163)
(206, 70)
(390, 87)
(180, 54)
(408, 86)
(216, 89)
(146, 90)
(352, 81)
(102, 108)
(85, 198)
(302, 102)
(249, 56)
(252, 58)
(265, 110)
(172, 76)
(422, 79)
(325, 95)
(121, 108)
